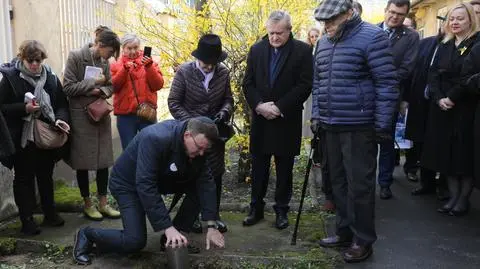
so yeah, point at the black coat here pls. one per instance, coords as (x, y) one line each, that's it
(418, 105)
(291, 88)
(471, 69)
(404, 43)
(12, 106)
(448, 146)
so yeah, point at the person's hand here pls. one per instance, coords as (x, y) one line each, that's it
(129, 65)
(95, 92)
(267, 110)
(216, 237)
(147, 61)
(175, 238)
(101, 80)
(275, 109)
(31, 107)
(445, 104)
(403, 108)
(314, 126)
(220, 117)
(62, 126)
(381, 137)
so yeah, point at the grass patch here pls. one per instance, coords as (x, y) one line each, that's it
(7, 246)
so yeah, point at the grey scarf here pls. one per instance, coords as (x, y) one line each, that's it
(42, 98)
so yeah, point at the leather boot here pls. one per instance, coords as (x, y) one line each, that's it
(29, 227)
(254, 216)
(221, 226)
(53, 220)
(281, 220)
(335, 241)
(357, 253)
(463, 204)
(454, 189)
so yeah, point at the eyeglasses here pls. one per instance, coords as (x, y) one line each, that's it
(199, 148)
(394, 13)
(31, 61)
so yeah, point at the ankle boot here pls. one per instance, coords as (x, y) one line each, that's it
(29, 227)
(463, 204)
(255, 215)
(454, 189)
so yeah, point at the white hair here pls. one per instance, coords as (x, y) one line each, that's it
(278, 16)
(129, 38)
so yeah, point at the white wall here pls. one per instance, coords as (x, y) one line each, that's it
(6, 51)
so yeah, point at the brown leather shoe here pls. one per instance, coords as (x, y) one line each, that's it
(356, 253)
(335, 241)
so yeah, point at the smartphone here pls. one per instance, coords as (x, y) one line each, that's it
(147, 51)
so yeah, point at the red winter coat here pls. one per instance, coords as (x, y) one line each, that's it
(148, 80)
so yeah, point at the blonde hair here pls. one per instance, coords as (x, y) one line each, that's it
(471, 17)
(313, 29)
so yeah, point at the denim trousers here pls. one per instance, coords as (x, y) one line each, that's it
(128, 126)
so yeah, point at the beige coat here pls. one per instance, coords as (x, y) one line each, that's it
(91, 144)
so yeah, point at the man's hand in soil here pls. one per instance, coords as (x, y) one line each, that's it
(175, 238)
(215, 237)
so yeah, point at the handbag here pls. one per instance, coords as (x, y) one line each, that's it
(98, 109)
(145, 110)
(47, 136)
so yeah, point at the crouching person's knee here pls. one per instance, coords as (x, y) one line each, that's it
(134, 244)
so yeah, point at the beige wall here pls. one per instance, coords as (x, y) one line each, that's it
(426, 14)
(40, 20)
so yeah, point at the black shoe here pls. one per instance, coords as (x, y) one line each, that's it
(412, 177)
(356, 253)
(423, 191)
(221, 226)
(197, 227)
(281, 221)
(54, 221)
(255, 215)
(385, 193)
(335, 241)
(81, 248)
(29, 227)
(442, 195)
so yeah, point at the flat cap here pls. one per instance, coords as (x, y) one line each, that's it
(331, 8)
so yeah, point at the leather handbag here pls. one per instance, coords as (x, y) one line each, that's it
(98, 109)
(47, 136)
(145, 110)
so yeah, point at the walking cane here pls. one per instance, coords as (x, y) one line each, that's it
(304, 189)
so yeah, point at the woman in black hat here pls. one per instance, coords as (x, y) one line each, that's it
(202, 88)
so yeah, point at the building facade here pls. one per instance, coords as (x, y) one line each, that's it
(426, 12)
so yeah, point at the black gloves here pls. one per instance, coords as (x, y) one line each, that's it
(314, 126)
(221, 116)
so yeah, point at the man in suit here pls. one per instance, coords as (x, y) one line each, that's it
(277, 81)
(404, 47)
(164, 158)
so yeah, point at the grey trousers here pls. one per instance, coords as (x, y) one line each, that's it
(352, 163)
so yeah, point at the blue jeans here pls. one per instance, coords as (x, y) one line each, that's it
(128, 126)
(386, 163)
(133, 237)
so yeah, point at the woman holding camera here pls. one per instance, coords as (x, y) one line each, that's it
(136, 80)
(91, 140)
(30, 91)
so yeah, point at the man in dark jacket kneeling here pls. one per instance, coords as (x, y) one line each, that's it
(355, 91)
(163, 158)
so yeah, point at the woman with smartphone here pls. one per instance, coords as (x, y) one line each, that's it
(91, 141)
(136, 80)
(30, 90)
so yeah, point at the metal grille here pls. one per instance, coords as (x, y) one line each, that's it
(79, 18)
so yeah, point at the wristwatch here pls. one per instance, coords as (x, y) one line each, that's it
(214, 226)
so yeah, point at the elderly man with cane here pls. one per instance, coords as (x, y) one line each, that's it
(355, 90)
(163, 158)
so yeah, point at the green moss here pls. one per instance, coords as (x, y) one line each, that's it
(66, 195)
(18, 224)
(7, 246)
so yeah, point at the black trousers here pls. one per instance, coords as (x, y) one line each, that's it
(261, 174)
(218, 183)
(83, 182)
(412, 158)
(30, 163)
(352, 162)
(133, 237)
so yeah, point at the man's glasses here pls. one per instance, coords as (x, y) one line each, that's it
(199, 148)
